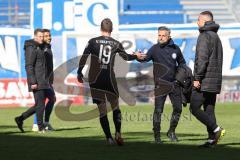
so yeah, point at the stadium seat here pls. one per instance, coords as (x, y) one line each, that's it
(151, 11)
(147, 18)
(15, 13)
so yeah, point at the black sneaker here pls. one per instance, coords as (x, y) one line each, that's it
(172, 136)
(118, 139)
(157, 138)
(19, 124)
(207, 145)
(218, 135)
(211, 136)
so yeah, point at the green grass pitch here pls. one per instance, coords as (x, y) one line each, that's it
(75, 140)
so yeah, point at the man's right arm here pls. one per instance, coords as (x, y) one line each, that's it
(30, 59)
(147, 56)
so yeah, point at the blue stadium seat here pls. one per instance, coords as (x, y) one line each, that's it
(139, 9)
(10, 18)
(147, 18)
(152, 5)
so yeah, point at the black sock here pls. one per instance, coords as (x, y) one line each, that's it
(117, 120)
(105, 126)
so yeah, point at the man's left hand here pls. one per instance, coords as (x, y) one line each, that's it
(196, 84)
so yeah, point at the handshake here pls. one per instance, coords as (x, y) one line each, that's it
(140, 55)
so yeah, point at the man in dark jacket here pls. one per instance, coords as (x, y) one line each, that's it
(207, 76)
(50, 94)
(166, 54)
(37, 78)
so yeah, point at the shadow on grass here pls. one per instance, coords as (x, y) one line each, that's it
(7, 126)
(15, 132)
(27, 131)
(20, 146)
(181, 136)
(162, 133)
(70, 129)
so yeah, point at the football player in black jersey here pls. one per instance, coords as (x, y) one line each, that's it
(101, 76)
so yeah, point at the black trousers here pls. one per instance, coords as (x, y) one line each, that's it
(50, 94)
(38, 108)
(176, 100)
(207, 115)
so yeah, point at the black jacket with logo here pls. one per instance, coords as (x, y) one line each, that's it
(209, 58)
(168, 56)
(36, 65)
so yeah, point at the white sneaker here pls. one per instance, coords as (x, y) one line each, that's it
(42, 131)
(48, 126)
(110, 141)
(35, 128)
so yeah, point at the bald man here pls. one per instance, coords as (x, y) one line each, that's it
(207, 77)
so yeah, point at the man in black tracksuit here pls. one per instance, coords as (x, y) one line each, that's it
(101, 77)
(37, 78)
(207, 76)
(166, 54)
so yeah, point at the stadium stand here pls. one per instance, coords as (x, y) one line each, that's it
(176, 11)
(222, 10)
(151, 11)
(15, 13)
(235, 7)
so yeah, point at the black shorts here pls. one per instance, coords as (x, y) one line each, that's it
(104, 89)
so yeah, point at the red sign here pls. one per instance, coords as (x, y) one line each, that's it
(14, 93)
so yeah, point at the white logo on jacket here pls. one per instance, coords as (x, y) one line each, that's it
(174, 55)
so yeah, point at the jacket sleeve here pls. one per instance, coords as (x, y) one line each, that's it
(180, 58)
(51, 78)
(82, 61)
(30, 60)
(50, 65)
(202, 56)
(127, 57)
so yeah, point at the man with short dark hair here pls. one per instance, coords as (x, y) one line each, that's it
(38, 81)
(47, 38)
(207, 76)
(101, 78)
(166, 54)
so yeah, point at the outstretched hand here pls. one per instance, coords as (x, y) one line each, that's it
(140, 56)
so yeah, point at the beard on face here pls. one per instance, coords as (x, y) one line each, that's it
(162, 42)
